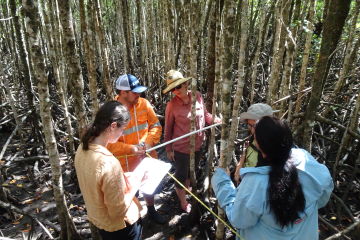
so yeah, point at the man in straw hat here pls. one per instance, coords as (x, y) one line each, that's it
(251, 156)
(177, 123)
(142, 132)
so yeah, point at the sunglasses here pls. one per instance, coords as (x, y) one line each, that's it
(177, 87)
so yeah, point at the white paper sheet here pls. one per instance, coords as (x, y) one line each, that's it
(156, 170)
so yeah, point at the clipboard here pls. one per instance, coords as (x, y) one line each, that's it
(156, 171)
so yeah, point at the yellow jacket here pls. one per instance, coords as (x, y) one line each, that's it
(104, 188)
(144, 127)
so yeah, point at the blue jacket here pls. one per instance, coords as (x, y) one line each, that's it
(247, 206)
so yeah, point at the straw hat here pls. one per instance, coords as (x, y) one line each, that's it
(174, 78)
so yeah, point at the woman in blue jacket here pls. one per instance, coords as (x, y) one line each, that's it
(280, 198)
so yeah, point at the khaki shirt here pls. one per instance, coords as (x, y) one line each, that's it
(104, 186)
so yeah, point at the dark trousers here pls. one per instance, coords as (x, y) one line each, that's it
(182, 166)
(130, 232)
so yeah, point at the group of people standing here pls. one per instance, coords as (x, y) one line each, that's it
(281, 187)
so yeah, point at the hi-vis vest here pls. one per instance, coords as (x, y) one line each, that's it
(144, 127)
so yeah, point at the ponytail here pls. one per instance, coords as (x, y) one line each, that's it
(89, 135)
(286, 197)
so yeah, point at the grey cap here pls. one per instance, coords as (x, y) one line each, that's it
(257, 111)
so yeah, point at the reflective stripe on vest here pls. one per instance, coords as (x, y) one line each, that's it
(155, 125)
(135, 129)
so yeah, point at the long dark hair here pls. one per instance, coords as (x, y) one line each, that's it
(286, 196)
(108, 113)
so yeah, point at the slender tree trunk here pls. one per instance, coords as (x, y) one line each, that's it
(291, 50)
(236, 44)
(240, 81)
(350, 56)
(72, 62)
(144, 49)
(164, 43)
(151, 42)
(352, 126)
(57, 61)
(259, 47)
(282, 20)
(139, 28)
(66, 223)
(16, 49)
(201, 42)
(333, 25)
(226, 58)
(88, 38)
(214, 74)
(103, 51)
(211, 59)
(127, 36)
(306, 53)
(190, 57)
(24, 67)
(12, 103)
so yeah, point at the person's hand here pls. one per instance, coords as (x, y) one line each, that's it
(227, 170)
(217, 120)
(147, 146)
(237, 170)
(139, 149)
(170, 155)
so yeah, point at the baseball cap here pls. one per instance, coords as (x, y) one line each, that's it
(129, 82)
(257, 111)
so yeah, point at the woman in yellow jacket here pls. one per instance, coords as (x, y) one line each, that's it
(108, 193)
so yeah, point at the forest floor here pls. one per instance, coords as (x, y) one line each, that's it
(28, 185)
(29, 189)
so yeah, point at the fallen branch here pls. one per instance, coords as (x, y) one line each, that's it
(7, 142)
(17, 210)
(345, 231)
(347, 210)
(330, 122)
(335, 124)
(335, 229)
(45, 229)
(293, 94)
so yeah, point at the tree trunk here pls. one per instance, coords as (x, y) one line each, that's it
(201, 42)
(352, 126)
(87, 36)
(213, 55)
(259, 47)
(127, 36)
(67, 226)
(24, 67)
(350, 57)
(291, 50)
(103, 51)
(333, 25)
(139, 28)
(306, 54)
(190, 60)
(226, 58)
(240, 81)
(282, 20)
(72, 62)
(211, 59)
(57, 61)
